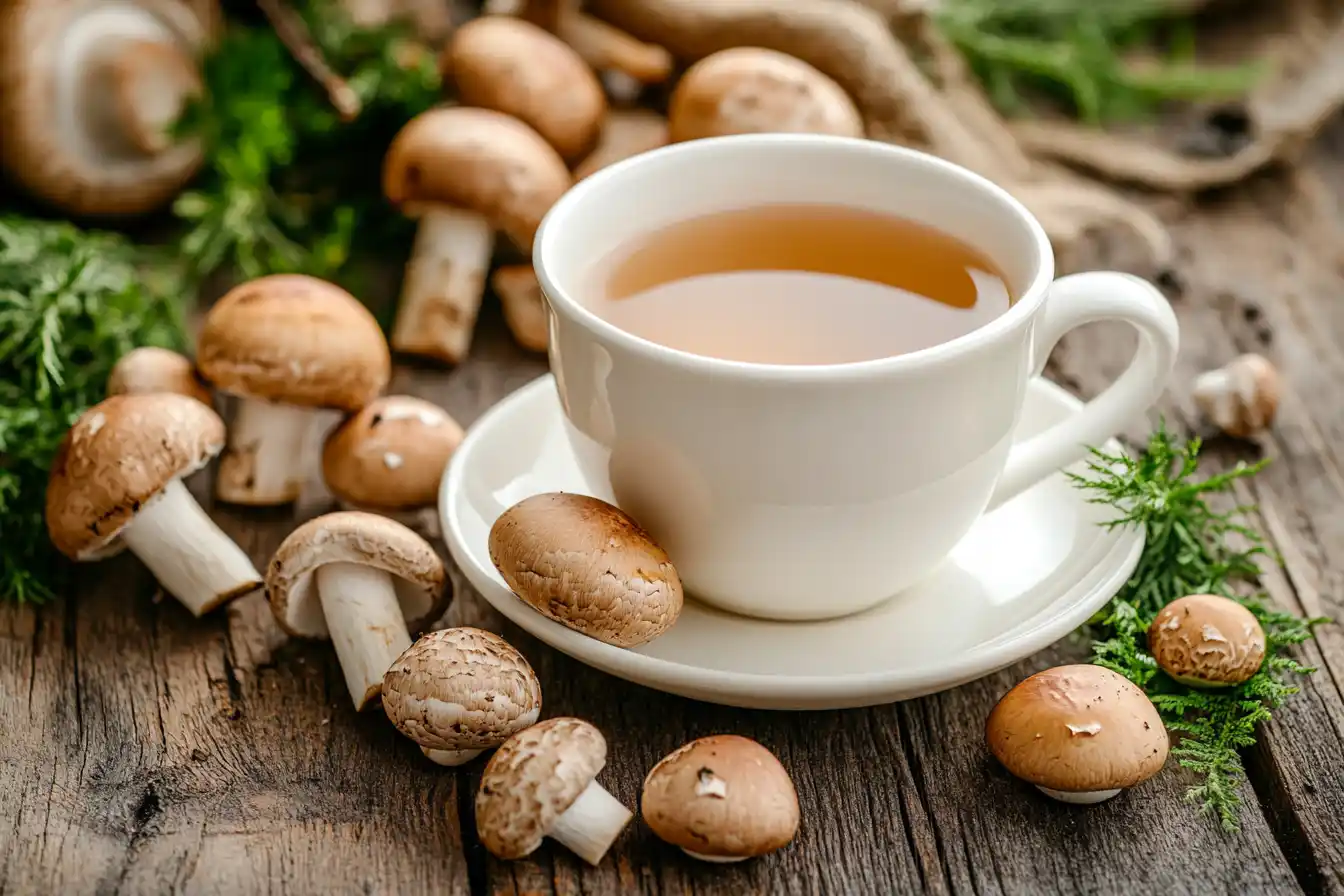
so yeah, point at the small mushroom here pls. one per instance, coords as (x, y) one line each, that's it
(1242, 397)
(524, 305)
(542, 783)
(587, 565)
(389, 458)
(602, 45)
(116, 482)
(1080, 733)
(625, 133)
(465, 173)
(1207, 641)
(458, 692)
(723, 798)
(751, 90)
(363, 580)
(512, 66)
(287, 346)
(88, 93)
(153, 369)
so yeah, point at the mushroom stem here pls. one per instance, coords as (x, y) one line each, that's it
(444, 284)
(262, 464)
(606, 47)
(524, 308)
(591, 824)
(366, 625)
(718, 860)
(1079, 798)
(191, 557)
(451, 757)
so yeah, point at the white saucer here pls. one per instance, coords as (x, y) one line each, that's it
(1026, 575)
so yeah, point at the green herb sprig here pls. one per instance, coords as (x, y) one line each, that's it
(71, 303)
(1191, 548)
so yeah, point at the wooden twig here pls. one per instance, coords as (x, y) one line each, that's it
(293, 33)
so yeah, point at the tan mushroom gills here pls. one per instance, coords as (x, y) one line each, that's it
(367, 627)
(188, 554)
(591, 823)
(442, 290)
(450, 758)
(263, 463)
(140, 90)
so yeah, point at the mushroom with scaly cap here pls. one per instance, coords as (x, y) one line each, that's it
(1208, 641)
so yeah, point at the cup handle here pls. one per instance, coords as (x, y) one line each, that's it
(1080, 299)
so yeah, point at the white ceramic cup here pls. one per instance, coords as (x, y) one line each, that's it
(809, 492)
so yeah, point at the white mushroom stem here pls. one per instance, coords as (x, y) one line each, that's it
(451, 757)
(1081, 797)
(591, 824)
(366, 625)
(191, 557)
(264, 462)
(444, 283)
(718, 860)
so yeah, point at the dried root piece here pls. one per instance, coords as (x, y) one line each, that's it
(294, 34)
(1069, 210)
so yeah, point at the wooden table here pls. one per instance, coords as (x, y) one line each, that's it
(143, 751)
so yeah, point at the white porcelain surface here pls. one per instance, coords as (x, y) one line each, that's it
(770, 483)
(1026, 575)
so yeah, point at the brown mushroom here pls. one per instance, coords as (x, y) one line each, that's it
(154, 369)
(458, 692)
(1080, 733)
(88, 93)
(1208, 641)
(512, 66)
(723, 798)
(524, 305)
(542, 783)
(625, 133)
(116, 482)
(363, 580)
(602, 46)
(587, 565)
(465, 173)
(1242, 397)
(389, 458)
(753, 90)
(286, 345)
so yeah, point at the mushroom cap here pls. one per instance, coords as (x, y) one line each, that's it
(746, 90)
(532, 779)
(119, 454)
(721, 796)
(461, 689)
(513, 66)
(1205, 639)
(391, 455)
(85, 89)
(587, 565)
(351, 536)
(1077, 729)
(294, 339)
(153, 369)
(480, 160)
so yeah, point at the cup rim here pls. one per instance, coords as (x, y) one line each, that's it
(580, 193)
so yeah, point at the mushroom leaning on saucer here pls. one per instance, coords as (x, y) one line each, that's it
(1207, 641)
(88, 94)
(542, 783)
(287, 345)
(389, 458)
(464, 173)
(116, 482)
(153, 369)
(458, 692)
(1080, 733)
(587, 565)
(722, 798)
(363, 580)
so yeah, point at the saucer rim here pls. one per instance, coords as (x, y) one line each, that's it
(760, 690)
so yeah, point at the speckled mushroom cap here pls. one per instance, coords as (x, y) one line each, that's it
(480, 160)
(723, 796)
(511, 65)
(744, 90)
(1077, 728)
(532, 779)
(119, 454)
(417, 572)
(154, 369)
(1207, 640)
(461, 689)
(587, 565)
(294, 339)
(86, 89)
(391, 455)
